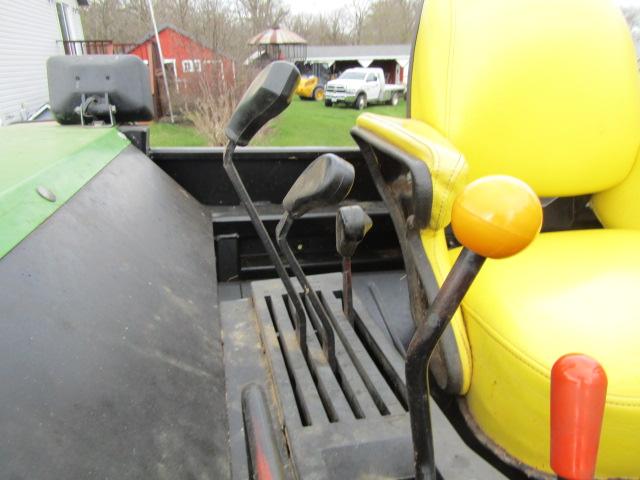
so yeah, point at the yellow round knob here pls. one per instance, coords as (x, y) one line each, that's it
(496, 216)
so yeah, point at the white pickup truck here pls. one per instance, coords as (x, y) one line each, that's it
(360, 87)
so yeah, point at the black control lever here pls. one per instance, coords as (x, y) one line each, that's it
(267, 96)
(326, 181)
(352, 224)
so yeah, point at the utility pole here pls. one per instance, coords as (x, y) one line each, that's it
(164, 72)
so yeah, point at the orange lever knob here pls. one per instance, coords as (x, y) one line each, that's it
(496, 216)
(578, 394)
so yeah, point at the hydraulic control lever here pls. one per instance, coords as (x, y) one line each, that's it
(352, 224)
(325, 182)
(578, 395)
(267, 96)
(494, 217)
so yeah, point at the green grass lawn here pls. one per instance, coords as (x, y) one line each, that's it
(175, 135)
(311, 123)
(304, 123)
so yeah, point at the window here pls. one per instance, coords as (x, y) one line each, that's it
(198, 65)
(187, 66)
(371, 77)
(352, 76)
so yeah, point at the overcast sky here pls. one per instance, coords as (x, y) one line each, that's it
(306, 6)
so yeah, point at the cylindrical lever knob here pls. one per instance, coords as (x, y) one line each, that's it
(578, 394)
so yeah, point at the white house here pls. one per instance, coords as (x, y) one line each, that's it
(30, 32)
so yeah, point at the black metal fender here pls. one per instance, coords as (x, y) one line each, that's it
(110, 351)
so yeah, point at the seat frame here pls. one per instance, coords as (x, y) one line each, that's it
(404, 184)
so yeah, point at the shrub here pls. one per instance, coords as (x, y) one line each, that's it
(207, 101)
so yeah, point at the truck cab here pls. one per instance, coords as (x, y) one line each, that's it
(360, 87)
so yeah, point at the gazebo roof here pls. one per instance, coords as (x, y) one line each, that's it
(277, 36)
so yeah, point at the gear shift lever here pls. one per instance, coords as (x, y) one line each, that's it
(578, 395)
(352, 224)
(493, 217)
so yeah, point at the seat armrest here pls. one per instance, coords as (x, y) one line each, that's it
(418, 174)
(416, 143)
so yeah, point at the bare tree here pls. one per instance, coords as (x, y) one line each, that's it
(391, 21)
(359, 12)
(261, 14)
(181, 11)
(226, 25)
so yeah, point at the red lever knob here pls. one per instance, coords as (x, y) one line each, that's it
(578, 394)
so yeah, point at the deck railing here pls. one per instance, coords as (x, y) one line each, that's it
(95, 47)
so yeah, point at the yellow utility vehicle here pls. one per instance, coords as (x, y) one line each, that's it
(310, 88)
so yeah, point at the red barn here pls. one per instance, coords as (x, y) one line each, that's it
(185, 57)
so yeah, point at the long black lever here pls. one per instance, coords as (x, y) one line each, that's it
(419, 353)
(298, 309)
(325, 182)
(267, 96)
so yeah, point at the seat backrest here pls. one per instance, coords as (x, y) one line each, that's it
(544, 90)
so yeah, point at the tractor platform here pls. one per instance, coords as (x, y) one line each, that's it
(351, 422)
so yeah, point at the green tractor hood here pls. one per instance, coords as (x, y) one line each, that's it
(55, 160)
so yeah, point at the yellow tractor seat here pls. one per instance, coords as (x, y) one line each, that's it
(574, 291)
(547, 92)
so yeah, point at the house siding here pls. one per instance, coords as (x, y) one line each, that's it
(29, 32)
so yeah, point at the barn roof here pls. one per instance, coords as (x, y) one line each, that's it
(364, 54)
(354, 52)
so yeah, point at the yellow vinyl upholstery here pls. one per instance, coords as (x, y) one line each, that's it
(447, 166)
(619, 207)
(547, 91)
(574, 291)
(543, 90)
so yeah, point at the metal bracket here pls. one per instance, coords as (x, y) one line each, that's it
(93, 106)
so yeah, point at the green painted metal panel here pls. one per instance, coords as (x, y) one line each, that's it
(60, 159)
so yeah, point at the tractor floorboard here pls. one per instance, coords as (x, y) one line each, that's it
(348, 424)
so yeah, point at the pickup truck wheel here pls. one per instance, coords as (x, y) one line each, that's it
(361, 102)
(328, 103)
(395, 98)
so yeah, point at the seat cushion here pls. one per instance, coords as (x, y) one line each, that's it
(576, 291)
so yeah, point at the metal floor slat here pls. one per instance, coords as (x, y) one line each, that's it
(383, 344)
(368, 370)
(327, 386)
(351, 378)
(277, 363)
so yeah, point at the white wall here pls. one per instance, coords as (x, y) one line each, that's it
(29, 31)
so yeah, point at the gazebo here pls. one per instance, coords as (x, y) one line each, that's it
(279, 44)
